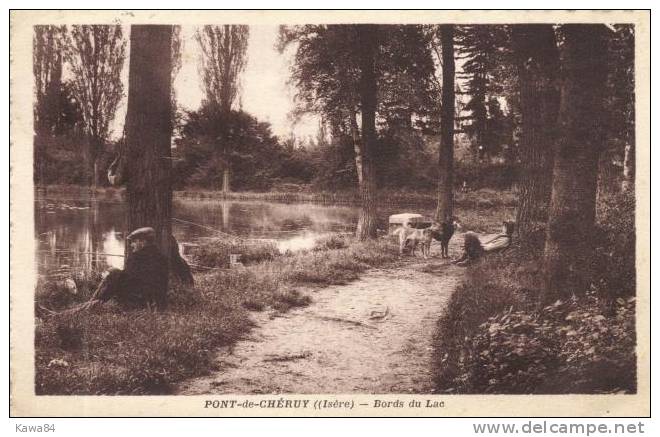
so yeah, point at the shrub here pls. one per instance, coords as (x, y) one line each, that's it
(331, 242)
(493, 338)
(215, 253)
(615, 252)
(480, 175)
(55, 293)
(470, 306)
(568, 347)
(291, 299)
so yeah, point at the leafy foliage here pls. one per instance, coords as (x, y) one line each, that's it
(614, 256)
(223, 58)
(569, 347)
(404, 70)
(489, 74)
(212, 139)
(47, 60)
(96, 54)
(494, 338)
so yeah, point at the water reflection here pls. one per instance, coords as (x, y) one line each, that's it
(113, 249)
(306, 240)
(90, 234)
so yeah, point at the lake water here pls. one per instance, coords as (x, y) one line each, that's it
(90, 234)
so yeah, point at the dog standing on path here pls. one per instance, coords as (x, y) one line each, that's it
(443, 232)
(411, 236)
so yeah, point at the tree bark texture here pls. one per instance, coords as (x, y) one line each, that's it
(149, 132)
(569, 235)
(355, 135)
(537, 59)
(368, 47)
(445, 210)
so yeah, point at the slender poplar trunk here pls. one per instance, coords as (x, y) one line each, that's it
(225, 180)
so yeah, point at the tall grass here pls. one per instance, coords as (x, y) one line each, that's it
(216, 252)
(108, 350)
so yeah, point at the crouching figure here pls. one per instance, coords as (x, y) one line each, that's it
(143, 282)
(473, 248)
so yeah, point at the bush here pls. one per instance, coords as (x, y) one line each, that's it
(615, 252)
(56, 293)
(331, 242)
(493, 338)
(215, 253)
(291, 299)
(470, 306)
(568, 347)
(479, 175)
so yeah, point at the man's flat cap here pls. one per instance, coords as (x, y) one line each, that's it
(146, 234)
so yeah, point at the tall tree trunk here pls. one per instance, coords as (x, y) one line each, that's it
(92, 157)
(95, 173)
(227, 82)
(368, 42)
(537, 60)
(149, 132)
(355, 135)
(569, 236)
(445, 209)
(225, 180)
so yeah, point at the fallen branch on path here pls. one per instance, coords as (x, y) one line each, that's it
(280, 358)
(352, 322)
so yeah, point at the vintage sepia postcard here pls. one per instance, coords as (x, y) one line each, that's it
(330, 213)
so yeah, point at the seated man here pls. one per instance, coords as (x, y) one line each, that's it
(143, 282)
(473, 248)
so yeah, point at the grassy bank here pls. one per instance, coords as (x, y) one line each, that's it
(482, 198)
(494, 338)
(110, 351)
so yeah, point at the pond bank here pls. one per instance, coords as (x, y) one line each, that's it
(140, 352)
(482, 198)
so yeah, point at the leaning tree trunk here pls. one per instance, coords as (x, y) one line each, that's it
(445, 209)
(537, 59)
(149, 132)
(569, 236)
(368, 46)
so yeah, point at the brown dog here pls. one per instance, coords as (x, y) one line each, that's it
(443, 232)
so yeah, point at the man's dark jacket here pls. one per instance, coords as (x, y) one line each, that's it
(145, 277)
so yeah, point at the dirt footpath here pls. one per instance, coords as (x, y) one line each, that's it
(370, 336)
